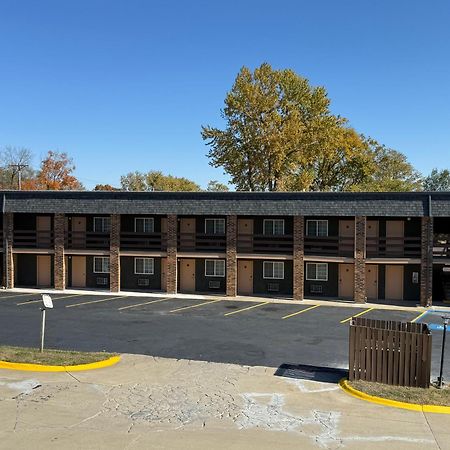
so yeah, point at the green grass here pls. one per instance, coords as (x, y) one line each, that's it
(421, 396)
(49, 357)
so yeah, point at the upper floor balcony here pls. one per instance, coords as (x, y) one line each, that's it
(393, 247)
(441, 245)
(202, 234)
(330, 245)
(138, 241)
(33, 239)
(87, 240)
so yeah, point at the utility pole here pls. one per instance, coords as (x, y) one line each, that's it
(19, 167)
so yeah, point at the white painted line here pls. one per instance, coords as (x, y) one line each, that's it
(95, 301)
(53, 298)
(145, 303)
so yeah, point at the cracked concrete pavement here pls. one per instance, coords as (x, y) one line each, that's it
(145, 402)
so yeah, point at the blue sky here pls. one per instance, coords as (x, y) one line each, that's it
(124, 86)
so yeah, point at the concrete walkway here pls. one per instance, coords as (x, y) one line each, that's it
(146, 402)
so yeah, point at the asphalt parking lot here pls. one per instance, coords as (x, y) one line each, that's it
(219, 330)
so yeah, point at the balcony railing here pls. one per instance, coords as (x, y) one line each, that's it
(441, 245)
(87, 240)
(329, 245)
(263, 243)
(143, 241)
(33, 239)
(189, 242)
(393, 247)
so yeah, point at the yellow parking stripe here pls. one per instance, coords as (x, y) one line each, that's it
(146, 303)
(357, 315)
(245, 309)
(300, 312)
(95, 301)
(418, 317)
(53, 298)
(195, 306)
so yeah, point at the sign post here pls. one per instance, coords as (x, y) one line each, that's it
(47, 304)
(441, 379)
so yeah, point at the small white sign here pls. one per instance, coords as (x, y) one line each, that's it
(47, 301)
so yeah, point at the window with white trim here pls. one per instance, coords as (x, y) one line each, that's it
(273, 270)
(317, 271)
(102, 224)
(101, 264)
(144, 225)
(273, 227)
(214, 226)
(144, 266)
(317, 227)
(214, 268)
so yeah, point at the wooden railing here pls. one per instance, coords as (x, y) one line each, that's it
(33, 239)
(441, 245)
(329, 245)
(263, 243)
(403, 247)
(201, 242)
(87, 240)
(143, 241)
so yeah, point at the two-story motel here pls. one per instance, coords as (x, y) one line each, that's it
(391, 246)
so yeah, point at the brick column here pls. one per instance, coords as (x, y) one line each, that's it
(426, 262)
(114, 254)
(8, 259)
(360, 260)
(171, 271)
(299, 253)
(231, 289)
(59, 265)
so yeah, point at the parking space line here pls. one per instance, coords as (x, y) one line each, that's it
(53, 298)
(146, 303)
(245, 309)
(300, 312)
(195, 306)
(419, 316)
(6, 297)
(357, 315)
(95, 301)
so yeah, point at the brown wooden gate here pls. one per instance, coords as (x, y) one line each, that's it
(390, 352)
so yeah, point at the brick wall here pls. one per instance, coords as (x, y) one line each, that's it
(59, 260)
(360, 259)
(171, 272)
(231, 288)
(426, 264)
(298, 263)
(8, 260)
(114, 254)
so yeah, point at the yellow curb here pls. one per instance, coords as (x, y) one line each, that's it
(343, 383)
(43, 368)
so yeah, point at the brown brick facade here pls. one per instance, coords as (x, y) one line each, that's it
(171, 271)
(299, 252)
(426, 264)
(8, 259)
(59, 260)
(360, 260)
(231, 289)
(114, 254)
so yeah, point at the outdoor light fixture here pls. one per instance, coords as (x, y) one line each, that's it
(47, 304)
(446, 320)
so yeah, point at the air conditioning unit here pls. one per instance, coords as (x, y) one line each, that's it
(316, 289)
(102, 281)
(214, 285)
(143, 282)
(273, 287)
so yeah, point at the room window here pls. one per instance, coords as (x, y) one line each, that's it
(317, 271)
(101, 264)
(317, 227)
(273, 270)
(102, 224)
(214, 226)
(214, 268)
(144, 225)
(273, 226)
(144, 266)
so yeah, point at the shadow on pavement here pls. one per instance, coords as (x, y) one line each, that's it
(313, 373)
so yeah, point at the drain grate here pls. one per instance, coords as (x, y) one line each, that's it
(316, 373)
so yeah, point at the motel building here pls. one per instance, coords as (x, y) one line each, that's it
(354, 246)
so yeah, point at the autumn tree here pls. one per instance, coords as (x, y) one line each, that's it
(56, 173)
(105, 187)
(438, 180)
(15, 162)
(216, 186)
(156, 181)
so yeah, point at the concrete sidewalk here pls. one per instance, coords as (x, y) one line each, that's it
(146, 402)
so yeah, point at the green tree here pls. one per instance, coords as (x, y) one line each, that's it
(156, 181)
(216, 186)
(438, 180)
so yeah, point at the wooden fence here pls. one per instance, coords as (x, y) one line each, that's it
(390, 352)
